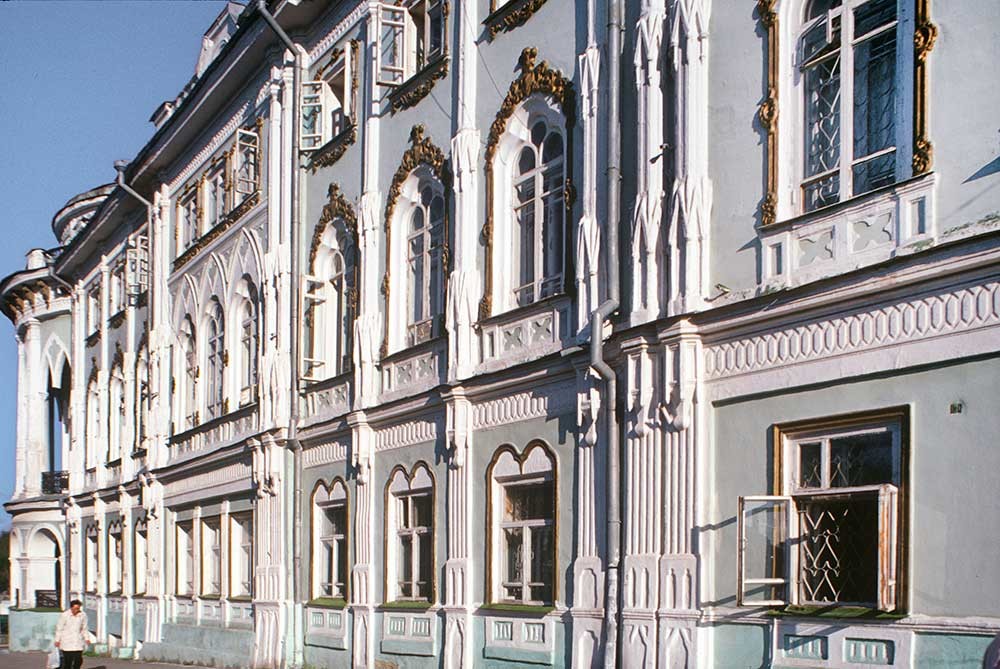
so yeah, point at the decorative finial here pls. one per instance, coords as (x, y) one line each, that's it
(417, 133)
(527, 59)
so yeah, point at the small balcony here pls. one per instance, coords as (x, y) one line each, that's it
(55, 483)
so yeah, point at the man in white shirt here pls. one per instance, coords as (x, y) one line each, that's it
(71, 635)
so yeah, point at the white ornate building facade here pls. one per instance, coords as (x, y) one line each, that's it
(429, 333)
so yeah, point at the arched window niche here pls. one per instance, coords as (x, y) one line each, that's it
(331, 291)
(529, 193)
(247, 346)
(186, 379)
(410, 564)
(331, 560)
(417, 242)
(215, 360)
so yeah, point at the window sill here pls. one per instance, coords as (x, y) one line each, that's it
(138, 453)
(525, 609)
(210, 598)
(413, 349)
(239, 599)
(510, 15)
(113, 463)
(335, 603)
(406, 606)
(93, 338)
(515, 312)
(833, 612)
(332, 151)
(227, 221)
(418, 86)
(117, 319)
(836, 207)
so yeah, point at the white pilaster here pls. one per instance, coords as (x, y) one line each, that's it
(458, 567)
(691, 193)
(36, 430)
(363, 571)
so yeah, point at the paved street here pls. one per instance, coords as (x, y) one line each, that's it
(37, 661)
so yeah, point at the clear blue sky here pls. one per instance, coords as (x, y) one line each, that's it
(81, 80)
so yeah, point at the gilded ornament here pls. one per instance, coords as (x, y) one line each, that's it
(417, 87)
(422, 151)
(535, 78)
(923, 156)
(510, 15)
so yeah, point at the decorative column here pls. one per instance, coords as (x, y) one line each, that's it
(691, 195)
(160, 335)
(271, 605)
(363, 571)
(587, 607)
(588, 230)
(36, 432)
(125, 503)
(464, 285)
(151, 497)
(74, 550)
(678, 614)
(368, 324)
(647, 272)
(20, 452)
(458, 567)
(642, 487)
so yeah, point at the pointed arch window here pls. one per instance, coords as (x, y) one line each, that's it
(330, 559)
(93, 435)
(331, 293)
(142, 393)
(416, 218)
(249, 349)
(425, 264)
(187, 393)
(215, 357)
(409, 504)
(116, 414)
(539, 206)
(522, 525)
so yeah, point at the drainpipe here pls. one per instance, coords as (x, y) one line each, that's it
(293, 404)
(597, 318)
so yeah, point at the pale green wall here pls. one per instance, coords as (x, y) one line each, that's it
(953, 458)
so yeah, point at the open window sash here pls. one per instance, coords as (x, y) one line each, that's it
(391, 52)
(315, 100)
(764, 526)
(247, 163)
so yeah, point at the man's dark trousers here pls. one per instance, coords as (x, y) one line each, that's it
(71, 659)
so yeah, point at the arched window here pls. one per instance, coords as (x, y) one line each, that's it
(409, 517)
(522, 525)
(416, 218)
(116, 414)
(187, 378)
(528, 190)
(140, 550)
(215, 358)
(331, 293)
(538, 260)
(93, 435)
(142, 394)
(92, 574)
(424, 263)
(249, 348)
(330, 543)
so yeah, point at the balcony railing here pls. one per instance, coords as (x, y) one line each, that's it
(55, 483)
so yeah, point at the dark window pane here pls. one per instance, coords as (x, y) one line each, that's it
(874, 94)
(872, 15)
(538, 133)
(838, 551)
(426, 565)
(820, 7)
(526, 162)
(862, 459)
(423, 511)
(553, 147)
(513, 554)
(530, 502)
(810, 465)
(874, 173)
(823, 116)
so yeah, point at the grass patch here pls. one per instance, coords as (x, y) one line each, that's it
(518, 608)
(852, 612)
(327, 603)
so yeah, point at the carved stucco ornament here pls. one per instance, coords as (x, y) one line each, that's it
(535, 78)
(510, 15)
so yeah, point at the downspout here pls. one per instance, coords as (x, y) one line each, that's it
(293, 404)
(597, 318)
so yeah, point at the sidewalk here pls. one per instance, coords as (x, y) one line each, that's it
(37, 661)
